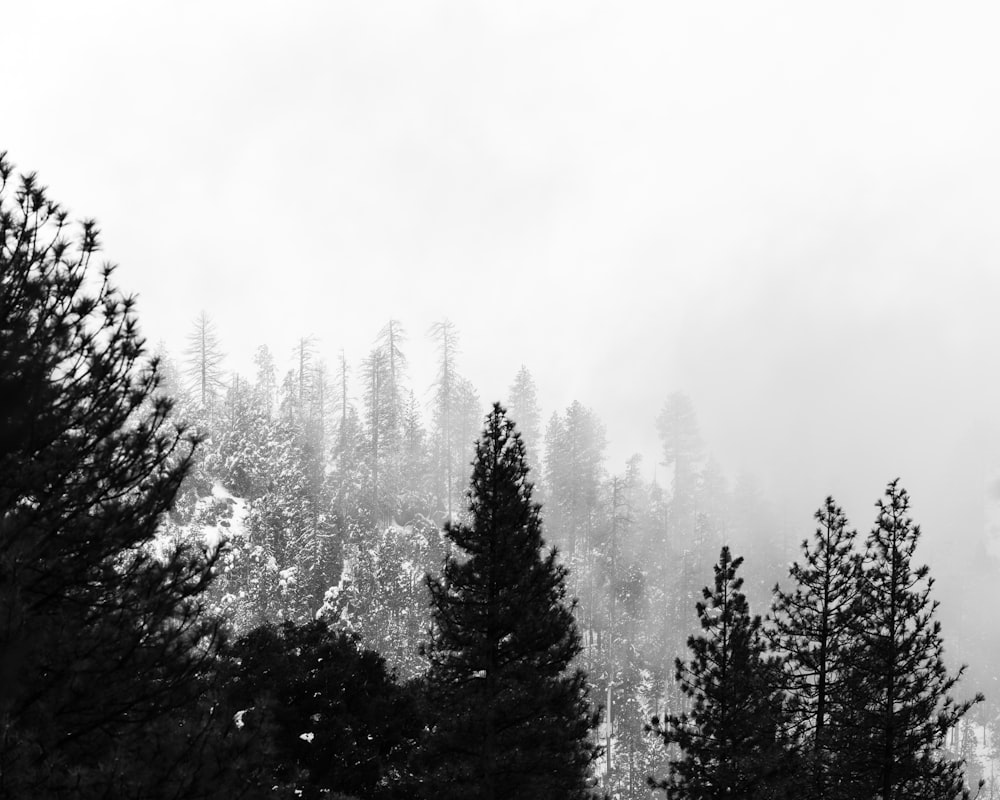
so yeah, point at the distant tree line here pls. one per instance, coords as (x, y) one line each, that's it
(332, 493)
(297, 593)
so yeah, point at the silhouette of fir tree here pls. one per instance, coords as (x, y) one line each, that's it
(812, 630)
(511, 715)
(730, 741)
(903, 705)
(103, 644)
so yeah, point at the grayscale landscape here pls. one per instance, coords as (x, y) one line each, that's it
(524, 400)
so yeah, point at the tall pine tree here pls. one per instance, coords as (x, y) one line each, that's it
(812, 631)
(103, 642)
(903, 690)
(204, 366)
(730, 740)
(523, 407)
(516, 720)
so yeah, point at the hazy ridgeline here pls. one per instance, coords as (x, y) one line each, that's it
(319, 476)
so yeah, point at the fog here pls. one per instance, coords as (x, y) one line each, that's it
(785, 212)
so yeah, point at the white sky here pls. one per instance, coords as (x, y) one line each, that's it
(788, 210)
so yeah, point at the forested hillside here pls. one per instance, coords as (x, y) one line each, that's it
(307, 583)
(332, 486)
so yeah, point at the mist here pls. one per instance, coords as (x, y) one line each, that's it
(781, 212)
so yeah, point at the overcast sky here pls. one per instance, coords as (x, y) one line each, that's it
(787, 210)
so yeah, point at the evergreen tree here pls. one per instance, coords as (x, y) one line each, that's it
(690, 536)
(380, 594)
(637, 753)
(677, 425)
(390, 341)
(389, 410)
(415, 468)
(342, 401)
(730, 740)
(377, 416)
(446, 336)
(968, 752)
(103, 643)
(903, 690)
(241, 441)
(204, 364)
(515, 719)
(523, 408)
(266, 382)
(812, 631)
(574, 467)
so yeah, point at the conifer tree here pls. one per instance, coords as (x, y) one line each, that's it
(415, 467)
(204, 364)
(523, 408)
(812, 631)
(385, 370)
(574, 467)
(515, 719)
(968, 752)
(446, 336)
(103, 642)
(266, 382)
(686, 531)
(682, 452)
(903, 690)
(390, 341)
(376, 412)
(730, 740)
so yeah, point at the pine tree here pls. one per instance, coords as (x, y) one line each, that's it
(903, 688)
(103, 643)
(204, 364)
(812, 630)
(390, 341)
(730, 741)
(390, 408)
(446, 336)
(972, 766)
(266, 381)
(375, 376)
(523, 408)
(574, 468)
(677, 425)
(415, 467)
(686, 533)
(516, 719)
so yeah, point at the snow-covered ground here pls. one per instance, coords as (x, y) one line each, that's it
(220, 526)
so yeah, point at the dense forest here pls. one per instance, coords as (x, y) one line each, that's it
(305, 582)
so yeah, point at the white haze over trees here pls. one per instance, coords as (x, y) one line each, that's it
(752, 243)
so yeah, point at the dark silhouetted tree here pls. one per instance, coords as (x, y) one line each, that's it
(903, 690)
(514, 720)
(103, 643)
(812, 631)
(328, 715)
(730, 740)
